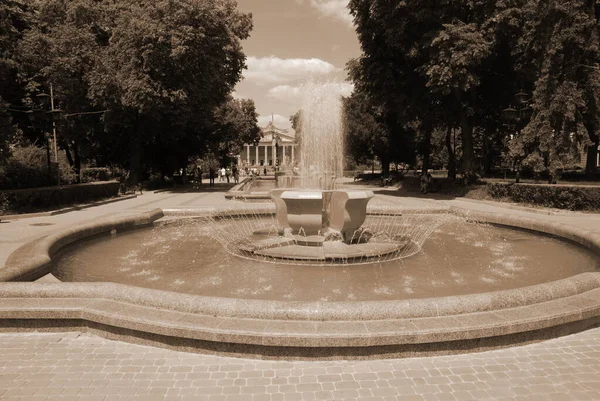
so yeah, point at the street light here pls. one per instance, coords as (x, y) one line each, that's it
(46, 100)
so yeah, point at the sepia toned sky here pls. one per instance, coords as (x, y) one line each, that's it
(291, 40)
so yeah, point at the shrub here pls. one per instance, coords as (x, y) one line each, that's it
(93, 174)
(556, 196)
(31, 199)
(27, 167)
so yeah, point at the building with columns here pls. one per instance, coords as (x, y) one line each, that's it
(276, 148)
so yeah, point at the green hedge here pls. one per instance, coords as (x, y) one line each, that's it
(93, 174)
(48, 198)
(557, 196)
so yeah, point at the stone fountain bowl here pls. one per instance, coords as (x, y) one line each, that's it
(321, 212)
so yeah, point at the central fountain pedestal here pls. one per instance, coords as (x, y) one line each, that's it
(321, 212)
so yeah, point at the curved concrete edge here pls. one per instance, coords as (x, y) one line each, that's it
(572, 302)
(304, 334)
(33, 260)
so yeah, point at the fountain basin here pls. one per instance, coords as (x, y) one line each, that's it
(297, 329)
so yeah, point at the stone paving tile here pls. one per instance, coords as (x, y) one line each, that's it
(75, 366)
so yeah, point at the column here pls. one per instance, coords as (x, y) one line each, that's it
(247, 155)
(266, 159)
(274, 153)
(293, 159)
(256, 159)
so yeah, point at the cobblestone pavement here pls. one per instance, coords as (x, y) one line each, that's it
(72, 366)
(65, 366)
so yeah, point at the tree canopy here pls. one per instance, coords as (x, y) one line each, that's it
(141, 84)
(457, 65)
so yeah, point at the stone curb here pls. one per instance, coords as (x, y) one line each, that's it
(507, 205)
(33, 259)
(66, 209)
(303, 325)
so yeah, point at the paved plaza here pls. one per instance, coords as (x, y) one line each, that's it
(69, 366)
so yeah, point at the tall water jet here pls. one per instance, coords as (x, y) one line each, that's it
(322, 141)
(318, 207)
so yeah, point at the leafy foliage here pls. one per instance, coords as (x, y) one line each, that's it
(159, 74)
(561, 196)
(441, 66)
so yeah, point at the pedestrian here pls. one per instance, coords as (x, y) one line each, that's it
(211, 176)
(197, 177)
(222, 174)
(228, 174)
(426, 179)
(236, 174)
(265, 171)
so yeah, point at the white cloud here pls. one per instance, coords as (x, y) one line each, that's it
(294, 93)
(336, 9)
(285, 92)
(274, 70)
(280, 121)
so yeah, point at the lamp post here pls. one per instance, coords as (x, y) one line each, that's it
(44, 99)
(515, 119)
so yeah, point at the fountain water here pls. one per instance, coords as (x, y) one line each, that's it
(316, 220)
(322, 141)
(318, 208)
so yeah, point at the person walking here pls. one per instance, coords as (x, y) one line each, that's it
(197, 177)
(236, 174)
(211, 176)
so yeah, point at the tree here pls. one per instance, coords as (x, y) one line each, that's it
(364, 136)
(560, 42)
(434, 66)
(15, 18)
(61, 50)
(296, 121)
(236, 123)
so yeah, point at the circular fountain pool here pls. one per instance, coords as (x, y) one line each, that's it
(189, 256)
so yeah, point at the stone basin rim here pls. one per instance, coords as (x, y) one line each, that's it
(42, 250)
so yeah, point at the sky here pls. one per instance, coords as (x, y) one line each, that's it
(292, 40)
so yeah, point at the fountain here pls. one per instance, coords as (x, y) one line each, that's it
(316, 212)
(316, 275)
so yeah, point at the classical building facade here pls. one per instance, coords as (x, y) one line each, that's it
(276, 148)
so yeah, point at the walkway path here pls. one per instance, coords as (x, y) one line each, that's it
(74, 366)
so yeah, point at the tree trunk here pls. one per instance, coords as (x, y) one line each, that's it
(385, 166)
(77, 162)
(425, 151)
(48, 160)
(468, 162)
(135, 155)
(68, 153)
(592, 159)
(468, 166)
(451, 155)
